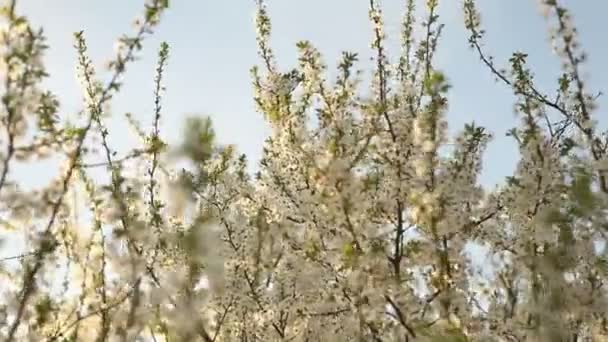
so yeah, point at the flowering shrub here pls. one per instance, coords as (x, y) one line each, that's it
(357, 226)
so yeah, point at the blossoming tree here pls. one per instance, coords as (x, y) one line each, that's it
(356, 227)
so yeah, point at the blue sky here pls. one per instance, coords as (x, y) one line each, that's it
(213, 48)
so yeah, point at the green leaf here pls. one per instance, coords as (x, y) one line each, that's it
(436, 83)
(43, 308)
(581, 192)
(564, 83)
(601, 264)
(199, 138)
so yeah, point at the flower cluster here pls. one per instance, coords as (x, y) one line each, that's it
(359, 224)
